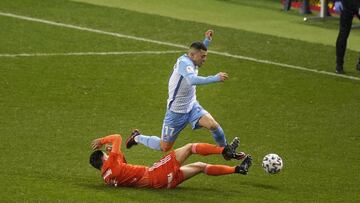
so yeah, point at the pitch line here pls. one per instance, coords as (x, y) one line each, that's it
(88, 53)
(286, 65)
(174, 45)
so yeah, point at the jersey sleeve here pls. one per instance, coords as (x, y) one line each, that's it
(112, 159)
(185, 69)
(188, 72)
(207, 42)
(115, 140)
(199, 80)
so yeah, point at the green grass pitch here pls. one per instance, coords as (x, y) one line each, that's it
(51, 107)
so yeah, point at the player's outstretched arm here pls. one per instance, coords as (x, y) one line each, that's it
(115, 140)
(208, 37)
(188, 73)
(193, 79)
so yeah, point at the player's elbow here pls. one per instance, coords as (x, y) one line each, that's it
(116, 138)
(201, 166)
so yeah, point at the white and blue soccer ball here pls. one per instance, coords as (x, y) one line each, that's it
(272, 163)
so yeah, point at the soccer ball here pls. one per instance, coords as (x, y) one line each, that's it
(272, 163)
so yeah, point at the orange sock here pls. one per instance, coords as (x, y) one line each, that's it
(216, 170)
(206, 149)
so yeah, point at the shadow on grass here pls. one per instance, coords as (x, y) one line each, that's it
(196, 190)
(179, 194)
(83, 182)
(261, 186)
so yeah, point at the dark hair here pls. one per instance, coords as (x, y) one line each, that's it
(198, 46)
(96, 159)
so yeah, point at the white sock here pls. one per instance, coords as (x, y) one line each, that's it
(136, 139)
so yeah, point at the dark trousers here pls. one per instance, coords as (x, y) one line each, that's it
(305, 7)
(346, 18)
(287, 5)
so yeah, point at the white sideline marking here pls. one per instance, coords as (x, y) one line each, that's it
(88, 53)
(286, 65)
(174, 45)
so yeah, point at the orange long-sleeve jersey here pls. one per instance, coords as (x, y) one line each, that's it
(115, 171)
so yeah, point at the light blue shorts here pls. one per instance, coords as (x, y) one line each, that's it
(174, 123)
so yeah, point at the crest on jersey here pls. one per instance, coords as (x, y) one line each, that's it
(190, 69)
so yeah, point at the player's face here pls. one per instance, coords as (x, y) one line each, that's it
(105, 157)
(108, 148)
(199, 57)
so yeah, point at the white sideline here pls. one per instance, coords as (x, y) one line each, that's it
(89, 53)
(174, 45)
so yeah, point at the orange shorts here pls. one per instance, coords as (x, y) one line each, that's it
(166, 173)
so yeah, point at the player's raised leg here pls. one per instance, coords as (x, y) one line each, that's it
(170, 131)
(199, 117)
(208, 122)
(173, 124)
(164, 144)
(193, 169)
(203, 149)
(136, 137)
(184, 152)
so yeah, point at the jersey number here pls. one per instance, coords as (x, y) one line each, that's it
(166, 131)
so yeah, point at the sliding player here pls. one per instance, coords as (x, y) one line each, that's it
(166, 173)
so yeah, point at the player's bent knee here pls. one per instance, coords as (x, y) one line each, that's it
(209, 122)
(200, 165)
(189, 146)
(214, 125)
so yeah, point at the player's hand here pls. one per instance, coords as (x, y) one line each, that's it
(209, 34)
(223, 76)
(96, 144)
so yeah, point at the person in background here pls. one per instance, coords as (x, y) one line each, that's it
(305, 9)
(347, 10)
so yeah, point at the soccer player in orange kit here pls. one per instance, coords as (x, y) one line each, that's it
(166, 173)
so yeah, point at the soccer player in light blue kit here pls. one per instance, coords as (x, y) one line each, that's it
(182, 106)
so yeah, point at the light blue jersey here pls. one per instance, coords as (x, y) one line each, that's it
(182, 84)
(182, 95)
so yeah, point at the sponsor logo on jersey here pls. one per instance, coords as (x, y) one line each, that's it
(160, 163)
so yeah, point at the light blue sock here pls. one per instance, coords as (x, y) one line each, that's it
(152, 142)
(219, 136)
